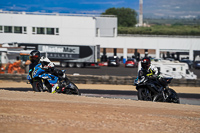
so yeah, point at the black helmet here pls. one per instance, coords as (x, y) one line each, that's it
(34, 56)
(145, 63)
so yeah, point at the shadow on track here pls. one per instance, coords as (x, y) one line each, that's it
(108, 92)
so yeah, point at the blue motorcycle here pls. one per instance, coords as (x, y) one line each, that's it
(43, 81)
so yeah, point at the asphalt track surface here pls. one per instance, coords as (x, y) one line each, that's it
(192, 99)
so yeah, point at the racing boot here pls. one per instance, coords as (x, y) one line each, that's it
(168, 91)
(59, 88)
(54, 88)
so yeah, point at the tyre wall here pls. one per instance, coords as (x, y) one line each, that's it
(92, 79)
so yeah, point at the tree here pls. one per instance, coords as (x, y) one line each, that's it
(126, 16)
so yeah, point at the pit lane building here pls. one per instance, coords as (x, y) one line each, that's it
(76, 29)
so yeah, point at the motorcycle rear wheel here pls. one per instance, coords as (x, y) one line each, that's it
(37, 86)
(144, 94)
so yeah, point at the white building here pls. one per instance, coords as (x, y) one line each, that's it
(70, 29)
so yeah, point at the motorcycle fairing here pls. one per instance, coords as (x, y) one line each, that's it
(51, 78)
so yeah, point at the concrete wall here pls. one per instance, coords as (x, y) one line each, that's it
(91, 79)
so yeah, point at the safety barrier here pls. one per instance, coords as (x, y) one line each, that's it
(94, 79)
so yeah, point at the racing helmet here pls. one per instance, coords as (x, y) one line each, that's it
(46, 63)
(34, 56)
(145, 63)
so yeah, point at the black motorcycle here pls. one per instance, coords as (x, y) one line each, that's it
(155, 89)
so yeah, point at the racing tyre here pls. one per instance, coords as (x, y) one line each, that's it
(174, 98)
(37, 86)
(144, 94)
(72, 89)
(158, 98)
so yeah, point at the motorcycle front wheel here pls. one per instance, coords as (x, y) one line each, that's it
(37, 86)
(158, 98)
(72, 89)
(144, 94)
(173, 98)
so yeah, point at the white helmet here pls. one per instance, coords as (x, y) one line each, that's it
(51, 65)
(44, 59)
(45, 62)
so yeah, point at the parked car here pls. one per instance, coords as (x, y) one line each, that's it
(113, 61)
(196, 65)
(189, 62)
(131, 63)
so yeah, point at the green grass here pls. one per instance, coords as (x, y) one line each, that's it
(186, 30)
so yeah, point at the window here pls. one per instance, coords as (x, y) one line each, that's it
(34, 30)
(40, 30)
(57, 31)
(1, 29)
(50, 31)
(97, 32)
(7, 29)
(114, 31)
(25, 30)
(43, 30)
(187, 71)
(17, 29)
(174, 69)
(13, 29)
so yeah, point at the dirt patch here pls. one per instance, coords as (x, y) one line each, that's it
(44, 112)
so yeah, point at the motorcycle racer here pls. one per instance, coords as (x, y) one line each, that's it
(49, 67)
(45, 64)
(151, 86)
(34, 57)
(147, 69)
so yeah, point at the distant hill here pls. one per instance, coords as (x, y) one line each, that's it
(164, 21)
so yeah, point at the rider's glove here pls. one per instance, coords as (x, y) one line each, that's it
(153, 76)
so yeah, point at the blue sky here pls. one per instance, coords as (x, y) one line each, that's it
(151, 8)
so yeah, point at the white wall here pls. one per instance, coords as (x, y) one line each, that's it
(72, 29)
(149, 42)
(107, 26)
(159, 43)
